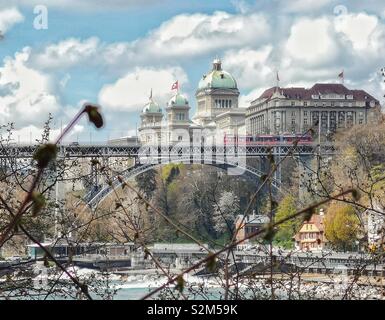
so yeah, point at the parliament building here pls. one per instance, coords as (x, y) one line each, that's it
(277, 111)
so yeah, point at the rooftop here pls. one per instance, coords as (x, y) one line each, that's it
(317, 89)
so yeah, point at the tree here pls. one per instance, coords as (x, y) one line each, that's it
(146, 182)
(341, 225)
(286, 230)
(225, 211)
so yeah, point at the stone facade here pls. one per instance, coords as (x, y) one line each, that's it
(217, 112)
(295, 110)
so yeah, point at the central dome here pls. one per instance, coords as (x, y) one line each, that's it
(218, 78)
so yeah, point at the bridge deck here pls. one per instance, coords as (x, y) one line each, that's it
(70, 151)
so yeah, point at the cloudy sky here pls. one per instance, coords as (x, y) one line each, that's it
(113, 52)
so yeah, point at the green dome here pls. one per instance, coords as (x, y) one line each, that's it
(179, 100)
(218, 78)
(152, 107)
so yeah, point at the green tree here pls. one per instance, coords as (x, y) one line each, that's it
(286, 231)
(341, 226)
(146, 182)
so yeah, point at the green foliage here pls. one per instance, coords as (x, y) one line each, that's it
(286, 231)
(341, 225)
(146, 182)
(170, 172)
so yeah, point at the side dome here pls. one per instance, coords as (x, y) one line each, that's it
(152, 107)
(218, 78)
(179, 100)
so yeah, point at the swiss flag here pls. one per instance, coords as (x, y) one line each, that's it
(175, 86)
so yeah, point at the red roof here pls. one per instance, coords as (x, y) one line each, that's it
(317, 89)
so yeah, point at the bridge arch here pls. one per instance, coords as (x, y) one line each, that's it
(94, 198)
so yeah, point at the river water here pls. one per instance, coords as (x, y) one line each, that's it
(134, 287)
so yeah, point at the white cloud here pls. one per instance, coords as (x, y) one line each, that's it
(312, 41)
(8, 18)
(245, 99)
(32, 133)
(198, 34)
(66, 54)
(358, 28)
(182, 37)
(129, 92)
(250, 67)
(28, 97)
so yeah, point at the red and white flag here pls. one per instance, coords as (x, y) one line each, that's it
(175, 86)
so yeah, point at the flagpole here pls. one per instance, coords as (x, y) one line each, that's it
(342, 76)
(277, 79)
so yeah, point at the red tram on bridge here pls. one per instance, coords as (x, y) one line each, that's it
(268, 139)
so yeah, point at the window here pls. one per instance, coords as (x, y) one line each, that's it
(180, 138)
(305, 113)
(305, 103)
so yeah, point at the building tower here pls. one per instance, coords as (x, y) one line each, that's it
(178, 120)
(217, 93)
(151, 122)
